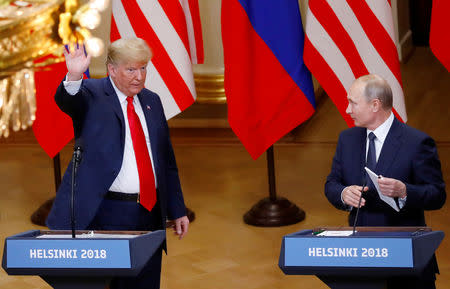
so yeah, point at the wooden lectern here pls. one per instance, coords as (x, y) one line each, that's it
(364, 259)
(88, 261)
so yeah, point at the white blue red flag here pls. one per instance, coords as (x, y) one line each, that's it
(268, 88)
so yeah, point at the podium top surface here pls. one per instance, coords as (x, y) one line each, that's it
(89, 235)
(375, 232)
(375, 229)
(80, 234)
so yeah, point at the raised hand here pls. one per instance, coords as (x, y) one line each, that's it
(77, 62)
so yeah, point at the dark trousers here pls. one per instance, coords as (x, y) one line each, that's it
(117, 215)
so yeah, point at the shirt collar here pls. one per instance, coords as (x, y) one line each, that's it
(382, 131)
(122, 97)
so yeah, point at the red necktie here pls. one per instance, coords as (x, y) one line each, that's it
(144, 164)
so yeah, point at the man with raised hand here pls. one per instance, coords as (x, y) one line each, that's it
(127, 178)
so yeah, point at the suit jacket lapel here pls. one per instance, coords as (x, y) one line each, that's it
(113, 100)
(152, 130)
(361, 152)
(390, 148)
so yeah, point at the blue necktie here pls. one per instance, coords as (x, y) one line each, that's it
(371, 161)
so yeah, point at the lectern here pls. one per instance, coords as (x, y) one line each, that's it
(364, 259)
(88, 261)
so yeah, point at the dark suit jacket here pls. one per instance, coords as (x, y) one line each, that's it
(99, 121)
(407, 155)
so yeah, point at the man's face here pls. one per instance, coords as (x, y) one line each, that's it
(129, 77)
(359, 109)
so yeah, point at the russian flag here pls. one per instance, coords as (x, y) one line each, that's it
(268, 88)
(439, 36)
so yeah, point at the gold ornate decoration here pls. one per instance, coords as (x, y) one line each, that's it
(17, 101)
(30, 30)
(210, 88)
(76, 22)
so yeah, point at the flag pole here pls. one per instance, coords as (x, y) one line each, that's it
(273, 211)
(40, 215)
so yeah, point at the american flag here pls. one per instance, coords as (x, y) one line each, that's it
(346, 39)
(173, 31)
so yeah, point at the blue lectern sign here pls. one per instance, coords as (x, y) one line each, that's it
(348, 252)
(68, 253)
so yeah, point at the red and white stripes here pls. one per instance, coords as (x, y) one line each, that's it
(346, 39)
(173, 31)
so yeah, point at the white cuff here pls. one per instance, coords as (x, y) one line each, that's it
(401, 202)
(72, 87)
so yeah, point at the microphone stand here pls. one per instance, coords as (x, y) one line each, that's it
(359, 206)
(76, 159)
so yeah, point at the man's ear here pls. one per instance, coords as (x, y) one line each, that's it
(376, 105)
(111, 70)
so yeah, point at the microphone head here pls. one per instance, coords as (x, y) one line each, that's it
(77, 151)
(78, 144)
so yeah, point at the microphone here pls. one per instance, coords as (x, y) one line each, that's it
(76, 160)
(359, 204)
(77, 151)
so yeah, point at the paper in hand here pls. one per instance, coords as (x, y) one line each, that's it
(389, 200)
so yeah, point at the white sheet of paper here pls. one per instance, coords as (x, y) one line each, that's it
(389, 200)
(335, 233)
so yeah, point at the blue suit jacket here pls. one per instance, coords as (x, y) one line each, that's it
(407, 155)
(99, 121)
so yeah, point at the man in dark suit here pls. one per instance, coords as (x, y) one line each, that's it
(405, 158)
(127, 178)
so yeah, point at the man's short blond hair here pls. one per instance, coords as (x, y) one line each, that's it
(376, 87)
(128, 50)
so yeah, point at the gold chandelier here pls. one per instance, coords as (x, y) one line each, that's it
(30, 30)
